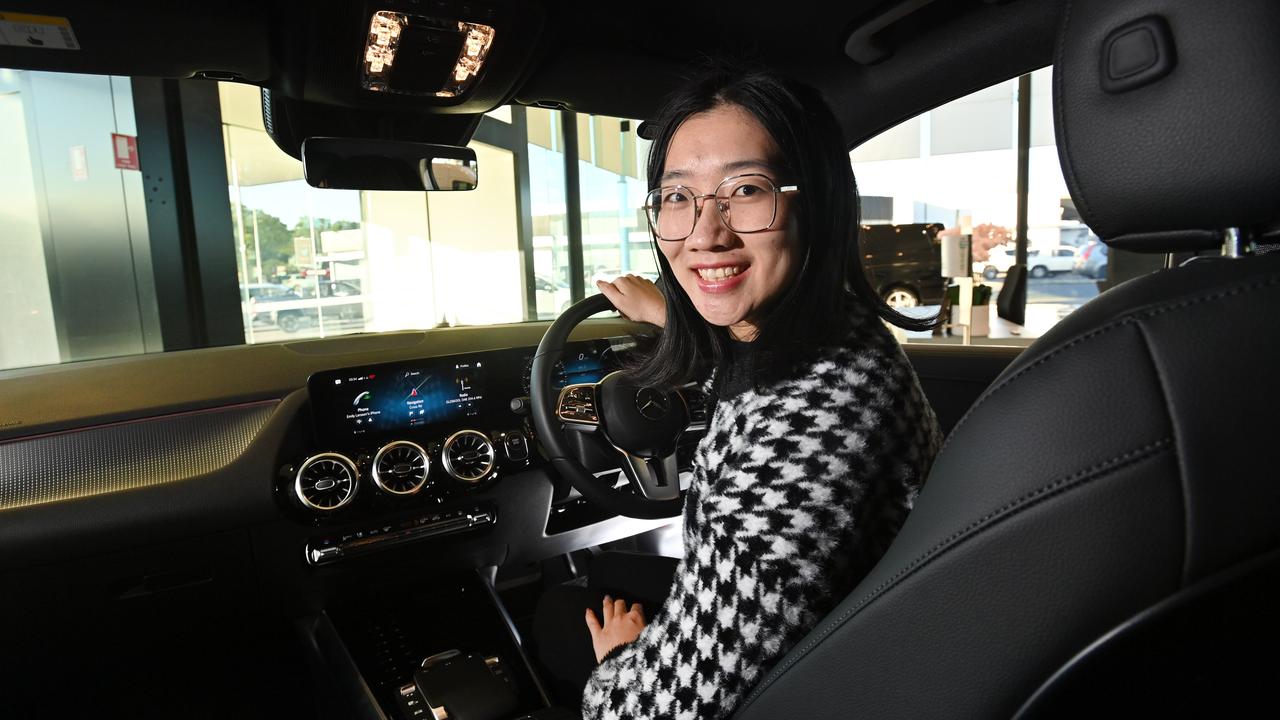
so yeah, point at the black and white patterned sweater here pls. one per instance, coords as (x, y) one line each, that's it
(798, 489)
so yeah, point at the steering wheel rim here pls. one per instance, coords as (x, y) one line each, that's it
(545, 402)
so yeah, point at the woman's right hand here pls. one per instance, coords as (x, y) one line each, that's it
(636, 298)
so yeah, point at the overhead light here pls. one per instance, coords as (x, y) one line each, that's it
(418, 55)
(380, 48)
(475, 50)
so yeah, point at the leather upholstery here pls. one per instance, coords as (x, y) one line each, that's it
(1165, 165)
(1123, 457)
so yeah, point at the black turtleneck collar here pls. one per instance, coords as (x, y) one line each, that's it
(740, 368)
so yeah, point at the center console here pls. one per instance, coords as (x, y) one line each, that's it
(431, 648)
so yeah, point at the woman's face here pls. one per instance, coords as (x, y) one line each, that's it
(731, 278)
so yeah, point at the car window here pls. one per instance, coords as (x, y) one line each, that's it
(328, 262)
(957, 165)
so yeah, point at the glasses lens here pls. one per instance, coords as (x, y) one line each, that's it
(748, 203)
(671, 212)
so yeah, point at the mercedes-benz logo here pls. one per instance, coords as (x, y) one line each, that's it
(652, 404)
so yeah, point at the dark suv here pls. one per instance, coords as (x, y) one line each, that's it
(903, 262)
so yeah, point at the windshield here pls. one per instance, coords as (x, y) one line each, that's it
(110, 250)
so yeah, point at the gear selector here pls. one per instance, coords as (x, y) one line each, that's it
(456, 686)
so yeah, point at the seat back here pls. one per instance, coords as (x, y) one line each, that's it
(1124, 460)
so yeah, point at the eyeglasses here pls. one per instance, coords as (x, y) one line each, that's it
(746, 203)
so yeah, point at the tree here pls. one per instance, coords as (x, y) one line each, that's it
(303, 227)
(274, 240)
(985, 237)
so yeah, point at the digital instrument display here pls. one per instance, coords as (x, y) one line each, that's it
(578, 364)
(388, 398)
(370, 403)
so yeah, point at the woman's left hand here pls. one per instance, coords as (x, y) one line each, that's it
(620, 627)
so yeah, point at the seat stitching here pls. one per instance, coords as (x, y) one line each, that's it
(1010, 509)
(1124, 320)
(1183, 476)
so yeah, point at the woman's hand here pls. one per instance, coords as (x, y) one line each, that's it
(621, 626)
(636, 298)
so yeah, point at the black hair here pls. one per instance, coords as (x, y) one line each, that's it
(814, 310)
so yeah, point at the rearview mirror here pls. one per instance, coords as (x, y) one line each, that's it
(360, 164)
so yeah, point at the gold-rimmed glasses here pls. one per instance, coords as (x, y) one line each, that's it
(745, 203)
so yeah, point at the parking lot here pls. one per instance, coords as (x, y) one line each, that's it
(1065, 288)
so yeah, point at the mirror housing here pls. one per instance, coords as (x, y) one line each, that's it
(363, 164)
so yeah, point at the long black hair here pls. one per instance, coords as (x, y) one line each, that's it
(814, 310)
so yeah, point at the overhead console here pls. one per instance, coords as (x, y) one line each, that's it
(416, 70)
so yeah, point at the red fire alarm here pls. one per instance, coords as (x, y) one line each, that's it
(126, 151)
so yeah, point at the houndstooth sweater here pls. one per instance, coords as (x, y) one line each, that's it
(798, 488)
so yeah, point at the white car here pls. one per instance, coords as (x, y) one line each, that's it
(1041, 262)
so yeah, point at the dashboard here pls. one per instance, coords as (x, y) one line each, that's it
(401, 448)
(186, 474)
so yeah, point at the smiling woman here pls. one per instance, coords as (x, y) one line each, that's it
(820, 435)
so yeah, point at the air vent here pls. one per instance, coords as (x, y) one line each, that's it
(326, 481)
(468, 455)
(401, 467)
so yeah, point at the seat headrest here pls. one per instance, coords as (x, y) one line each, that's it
(1167, 115)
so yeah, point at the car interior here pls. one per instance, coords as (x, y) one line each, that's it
(361, 526)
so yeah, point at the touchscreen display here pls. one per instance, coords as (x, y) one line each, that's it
(383, 399)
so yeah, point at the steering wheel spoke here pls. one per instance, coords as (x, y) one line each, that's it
(654, 478)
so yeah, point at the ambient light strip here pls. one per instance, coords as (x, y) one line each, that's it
(126, 455)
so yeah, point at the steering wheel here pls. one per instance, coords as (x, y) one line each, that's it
(643, 424)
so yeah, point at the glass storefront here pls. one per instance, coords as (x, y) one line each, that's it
(957, 166)
(76, 281)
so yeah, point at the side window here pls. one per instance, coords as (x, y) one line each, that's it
(957, 166)
(612, 165)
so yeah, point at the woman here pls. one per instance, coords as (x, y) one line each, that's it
(820, 436)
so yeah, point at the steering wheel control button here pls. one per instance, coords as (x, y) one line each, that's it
(578, 404)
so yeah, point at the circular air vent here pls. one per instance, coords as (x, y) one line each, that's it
(326, 481)
(468, 455)
(401, 467)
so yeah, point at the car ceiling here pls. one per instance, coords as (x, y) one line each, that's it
(577, 55)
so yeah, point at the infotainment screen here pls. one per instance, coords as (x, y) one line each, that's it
(388, 398)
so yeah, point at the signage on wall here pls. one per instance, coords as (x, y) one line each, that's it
(126, 150)
(45, 32)
(79, 163)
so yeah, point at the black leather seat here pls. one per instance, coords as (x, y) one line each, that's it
(1121, 475)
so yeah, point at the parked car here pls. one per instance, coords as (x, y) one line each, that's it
(352, 311)
(553, 294)
(267, 304)
(1092, 260)
(1041, 262)
(904, 262)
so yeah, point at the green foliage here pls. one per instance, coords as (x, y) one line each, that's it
(276, 240)
(981, 294)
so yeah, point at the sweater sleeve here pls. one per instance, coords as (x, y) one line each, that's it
(704, 650)
(796, 492)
